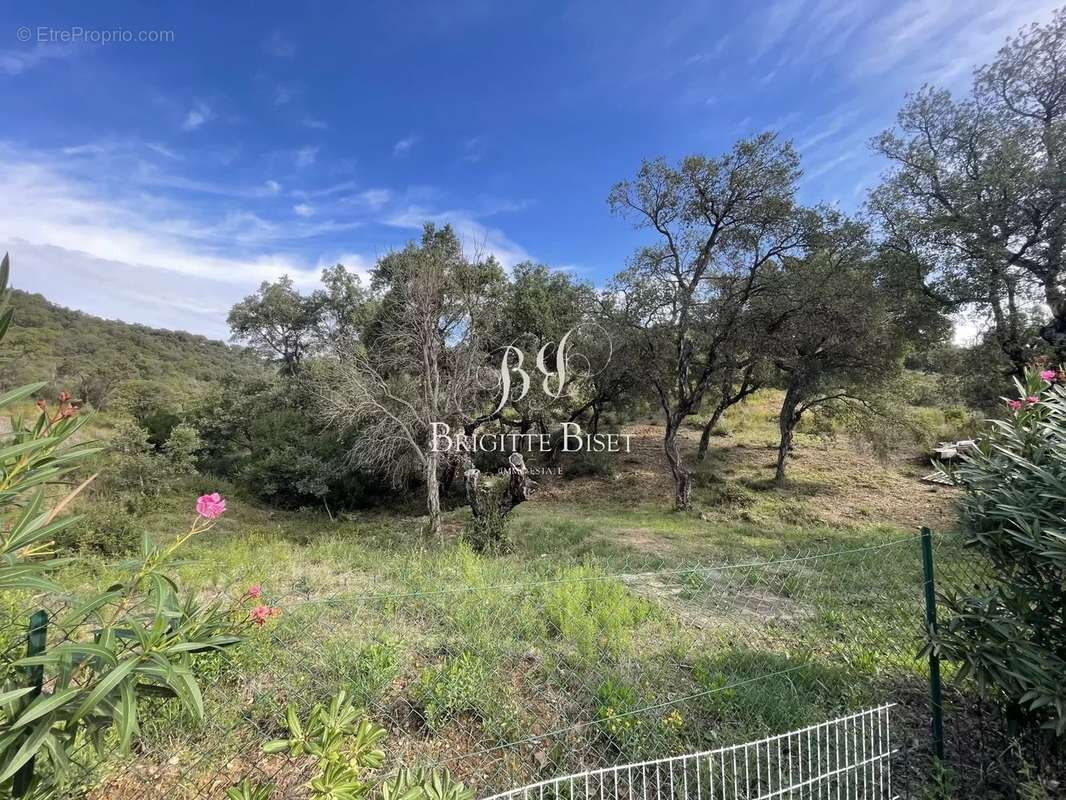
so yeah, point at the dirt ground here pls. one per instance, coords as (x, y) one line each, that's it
(834, 482)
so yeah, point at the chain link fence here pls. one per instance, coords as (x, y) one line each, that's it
(580, 667)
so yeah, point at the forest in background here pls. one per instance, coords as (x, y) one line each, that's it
(758, 349)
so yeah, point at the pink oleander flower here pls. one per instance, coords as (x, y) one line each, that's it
(1032, 400)
(1014, 405)
(211, 506)
(255, 591)
(260, 614)
(1048, 375)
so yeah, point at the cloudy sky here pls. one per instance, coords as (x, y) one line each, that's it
(160, 181)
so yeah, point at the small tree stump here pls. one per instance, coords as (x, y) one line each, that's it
(490, 502)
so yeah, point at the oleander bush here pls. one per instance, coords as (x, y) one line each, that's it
(100, 654)
(1009, 632)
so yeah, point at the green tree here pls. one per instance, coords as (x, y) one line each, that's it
(420, 360)
(975, 204)
(836, 330)
(539, 307)
(722, 225)
(278, 322)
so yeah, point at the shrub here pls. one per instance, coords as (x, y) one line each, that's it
(449, 689)
(375, 668)
(596, 613)
(1009, 634)
(138, 469)
(624, 719)
(105, 528)
(587, 463)
(615, 703)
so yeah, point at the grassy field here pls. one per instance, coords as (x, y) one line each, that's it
(615, 629)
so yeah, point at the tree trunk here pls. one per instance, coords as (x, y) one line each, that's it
(748, 385)
(682, 479)
(705, 437)
(490, 504)
(433, 495)
(786, 423)
(594, 423)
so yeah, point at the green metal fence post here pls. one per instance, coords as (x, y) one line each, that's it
(35, 642)
(934, 659)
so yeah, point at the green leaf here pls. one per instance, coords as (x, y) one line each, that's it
(106, 685)
(45, 704)
(192, 698)
(214, 643)
(5, 320)
(15, 694)
(28, 750)
(13, 396)
(22, 448)
(127, 708)
(79, 613)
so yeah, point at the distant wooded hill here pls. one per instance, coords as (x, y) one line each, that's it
(94, 358)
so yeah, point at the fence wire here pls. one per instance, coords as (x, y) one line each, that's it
(513, 682)
(848, 757)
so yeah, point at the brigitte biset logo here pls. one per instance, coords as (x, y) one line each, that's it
(569, 372)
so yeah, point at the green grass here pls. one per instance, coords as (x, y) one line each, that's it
(458, 652)
(615, 628)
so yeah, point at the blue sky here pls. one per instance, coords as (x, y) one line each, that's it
(159, 182)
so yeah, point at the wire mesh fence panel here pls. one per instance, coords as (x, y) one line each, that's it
(510, 671)
(568, 668)
(848, 757)
(986, 752)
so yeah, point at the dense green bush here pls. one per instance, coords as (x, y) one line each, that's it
(587, 463)
(446, 690)
(105, 528)
(137, 469)
(261, 434)
(596, 613)
(1011, 633)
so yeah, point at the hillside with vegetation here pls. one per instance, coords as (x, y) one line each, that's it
(694, 523)
(98, 359)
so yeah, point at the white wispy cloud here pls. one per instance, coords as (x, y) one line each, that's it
(162, 150)
(375, 198)
(284, 93)
(88, 149)
(16, 62)
(476, 237)
(306, 156)
(474, 149)
(315, 124)
(100, 229)
(404, 145)
(278, 46)
(197, 116)
(775, 24)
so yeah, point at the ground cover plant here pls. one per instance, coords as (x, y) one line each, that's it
(749, 563)
(574, 647)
